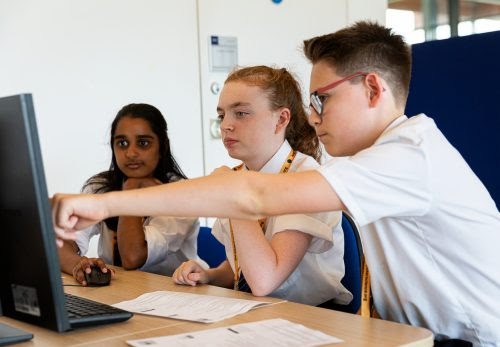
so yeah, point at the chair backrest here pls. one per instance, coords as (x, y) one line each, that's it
(209, 248)
(353, 254)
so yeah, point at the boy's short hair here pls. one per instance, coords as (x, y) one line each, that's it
(366, 47)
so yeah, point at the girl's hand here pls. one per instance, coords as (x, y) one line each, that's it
(84, 266)
(190, 273)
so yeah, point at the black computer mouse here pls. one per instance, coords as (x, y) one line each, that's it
(98, 278)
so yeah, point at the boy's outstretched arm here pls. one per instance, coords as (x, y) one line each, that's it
(243, 195)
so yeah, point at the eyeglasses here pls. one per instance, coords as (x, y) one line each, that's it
(318, 100)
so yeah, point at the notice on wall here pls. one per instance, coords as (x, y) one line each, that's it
(223, 53)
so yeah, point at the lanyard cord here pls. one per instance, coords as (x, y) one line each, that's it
(237, 270)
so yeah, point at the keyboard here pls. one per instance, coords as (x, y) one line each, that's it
(85, 312)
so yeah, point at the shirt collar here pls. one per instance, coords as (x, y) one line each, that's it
(395, 123)
(276, 162)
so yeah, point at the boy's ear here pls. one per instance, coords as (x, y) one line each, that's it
(283, 119)
(375, 88)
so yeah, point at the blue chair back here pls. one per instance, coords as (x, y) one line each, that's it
(353, 253)
(209, 248)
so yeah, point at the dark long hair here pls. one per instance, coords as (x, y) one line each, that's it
(167, 169)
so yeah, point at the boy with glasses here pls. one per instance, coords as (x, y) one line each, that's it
(429, 227)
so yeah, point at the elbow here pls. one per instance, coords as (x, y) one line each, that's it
(132, 262)
(259, 293)
(261, 289)
(262, 283)
(129, 266)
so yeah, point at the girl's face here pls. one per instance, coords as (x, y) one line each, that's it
(136, 147)
(250, 130)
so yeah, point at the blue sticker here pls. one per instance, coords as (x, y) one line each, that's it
(215, 40)
(276, 1)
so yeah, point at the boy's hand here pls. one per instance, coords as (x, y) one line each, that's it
(74, 212)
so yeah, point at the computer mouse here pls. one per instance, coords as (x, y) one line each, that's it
(97, 278)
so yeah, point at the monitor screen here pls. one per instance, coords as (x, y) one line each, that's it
(30, 285)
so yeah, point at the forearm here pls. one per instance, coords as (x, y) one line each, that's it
(256, 258)
(221, 276)
(266, 265)
(68, 256)
(251, 196)
(132, 242)
(200, 197)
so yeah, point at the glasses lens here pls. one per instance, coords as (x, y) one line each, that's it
(316, 104)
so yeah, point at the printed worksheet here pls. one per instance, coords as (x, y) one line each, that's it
(269, 333)
(186, 306)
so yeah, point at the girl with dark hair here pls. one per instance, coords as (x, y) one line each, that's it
(295, 257)
(141, 157)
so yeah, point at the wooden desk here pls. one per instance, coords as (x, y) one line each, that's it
(354, 330)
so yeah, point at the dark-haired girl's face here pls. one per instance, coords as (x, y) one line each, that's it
(136, 148)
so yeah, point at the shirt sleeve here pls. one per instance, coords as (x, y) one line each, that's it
(319, 225)
(391, 179)
(218, 231)
(166, 235)
(83, 237)
(221, 231)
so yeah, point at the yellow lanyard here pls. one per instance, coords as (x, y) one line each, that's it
(284, 168)
(366, 304)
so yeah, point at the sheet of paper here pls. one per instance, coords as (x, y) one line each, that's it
(186, 306)
(269, 333)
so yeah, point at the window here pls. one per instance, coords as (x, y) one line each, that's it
(425, 20)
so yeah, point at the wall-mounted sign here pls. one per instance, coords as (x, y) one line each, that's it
(223, 53)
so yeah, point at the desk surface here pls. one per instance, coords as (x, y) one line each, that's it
(353, 329)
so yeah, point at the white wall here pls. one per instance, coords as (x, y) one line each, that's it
(83, 60)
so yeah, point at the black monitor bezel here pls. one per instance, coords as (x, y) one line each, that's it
(28, 252)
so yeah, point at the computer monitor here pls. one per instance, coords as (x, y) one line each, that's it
(30, 287)
(30, 276)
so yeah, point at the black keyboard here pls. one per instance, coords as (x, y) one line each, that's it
(85, 312)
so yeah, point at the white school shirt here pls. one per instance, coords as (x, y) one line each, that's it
(317, 277)
(430, 231)
(170, 241)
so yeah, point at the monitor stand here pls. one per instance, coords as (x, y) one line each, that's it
(9, 335)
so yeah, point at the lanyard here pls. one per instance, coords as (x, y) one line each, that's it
(284, 168)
